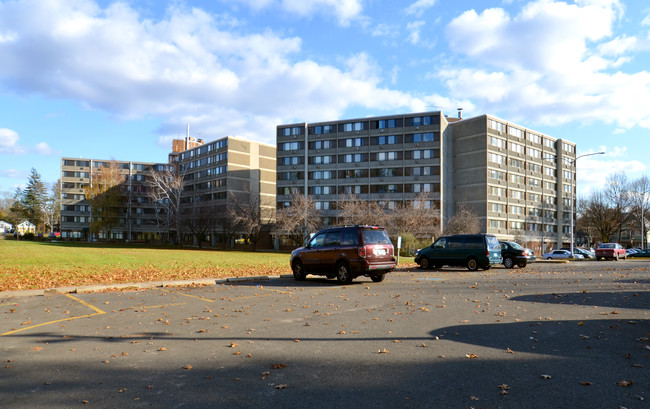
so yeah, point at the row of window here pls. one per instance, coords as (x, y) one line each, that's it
(204, 149)
(362, 141)
(361, 173)
(219, 170)
(221, 157)
(358, 126)
(519, 133)
(363, 189)
(362, 157)
(530, 181)
(384, 204)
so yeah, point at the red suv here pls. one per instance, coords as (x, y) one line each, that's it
(346, 253)
(612, 251)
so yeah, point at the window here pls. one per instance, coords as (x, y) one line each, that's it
(550, 171)
(533, 167)
(496, 207)
(549, 185)
(354, 126)
(535, 153)
(422, 137)
(425, 154)
(568, 147)
(516, 147)
(497, 191)
(421, 120)
(534, 138)
(496, 158)
(567, 174)
(322, 160)
(295, 130)
(498, 142)
(549, 157)
(496, 224)
(517, 225)
(497, 126)
(386, 156)
(387, 172)
(516, 163)
(323, 190)
(534, 197)
(516, 132)
(351, 190)
(386, 123)
(495, 174)
(353, 157)
(534, 212)
(386, 139)
(534, 182)
(322, 205)
(322, 174)
(514, 178)
(516, 194)
(323, 145)
(549, 143)
(291, 160)
(516, 210)
(351, 142)
(291, 146)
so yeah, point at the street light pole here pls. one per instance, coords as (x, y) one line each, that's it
(573, 186)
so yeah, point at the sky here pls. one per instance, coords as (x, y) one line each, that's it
(120, 80)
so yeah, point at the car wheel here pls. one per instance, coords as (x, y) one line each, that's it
(472, 264)
(549, 258)
(343, 274)
(298, 271)
(508, 262)
(378, 278)
(425, 264)
(521, 265)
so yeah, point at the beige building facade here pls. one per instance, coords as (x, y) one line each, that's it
(517, 180)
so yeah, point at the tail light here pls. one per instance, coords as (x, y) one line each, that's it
(362, 251)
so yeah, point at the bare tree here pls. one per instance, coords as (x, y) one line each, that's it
(600, 216)
(52, 208)
(464, 221)
(419, 217)
(354, 210)
(164, 189)
(200, 220)
(298, 220)
(617, 193)
(639, 190)
(251, 212)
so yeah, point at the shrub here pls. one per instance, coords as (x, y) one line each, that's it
(28, 236)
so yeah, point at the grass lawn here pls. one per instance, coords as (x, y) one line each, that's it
(37, 265)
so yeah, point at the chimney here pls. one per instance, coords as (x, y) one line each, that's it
(460, 113)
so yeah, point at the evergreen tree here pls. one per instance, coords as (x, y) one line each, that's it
(33, 199)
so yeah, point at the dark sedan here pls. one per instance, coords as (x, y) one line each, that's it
(514, 254)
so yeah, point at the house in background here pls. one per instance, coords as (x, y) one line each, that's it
(26, 227)
(5, 227)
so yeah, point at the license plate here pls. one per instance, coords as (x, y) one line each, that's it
(379, 252)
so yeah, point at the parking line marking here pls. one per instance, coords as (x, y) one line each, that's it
(162, 305)
(194, 296)
(97, 312)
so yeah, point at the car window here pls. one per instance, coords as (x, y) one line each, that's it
(504, 246)
(440, 243)
(516, 246)
(492, 242)
(317, 241)
(350, 238)
(375, 237)
(475, 242)
(332, 238)
(454, 242)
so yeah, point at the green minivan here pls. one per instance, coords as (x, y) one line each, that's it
(471, 250)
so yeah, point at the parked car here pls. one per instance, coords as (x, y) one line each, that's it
(472, 250)
(640, 253)
(582, 252)
(561, 254)
(610, 251)
(345, 253)
(513, 253)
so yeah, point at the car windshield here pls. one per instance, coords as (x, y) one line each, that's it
(515, 245)
(375, 237)
(606, 246)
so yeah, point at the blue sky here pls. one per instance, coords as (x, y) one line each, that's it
(120, 80)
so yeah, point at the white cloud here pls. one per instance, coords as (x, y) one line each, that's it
(43, 148)
(419, 7)
(414, 30)
(244, 84)
(344, 11)
(9, 142)
(549, 63)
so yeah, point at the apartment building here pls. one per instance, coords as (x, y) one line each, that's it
(137, 219)
(215, 174)
(222, 172)
(518, 181)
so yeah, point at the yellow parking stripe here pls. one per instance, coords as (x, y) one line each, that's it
(97, 312)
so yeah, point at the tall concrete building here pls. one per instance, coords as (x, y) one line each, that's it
(215, 174)
(518, 181)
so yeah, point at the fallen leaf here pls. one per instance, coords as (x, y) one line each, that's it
(585, 383)
(382, 351)
(471, 356)
(188, 367)
(278, 366)
(232, 345)
(546, 376)
(624, 383)
(281, 386)
(510, 351)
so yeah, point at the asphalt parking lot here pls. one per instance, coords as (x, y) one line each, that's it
(560, 335)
